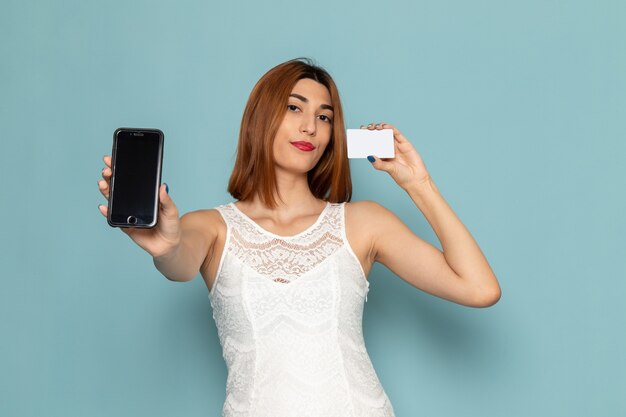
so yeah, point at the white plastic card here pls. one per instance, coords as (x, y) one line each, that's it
(364, 142)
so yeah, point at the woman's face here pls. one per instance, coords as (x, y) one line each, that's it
(306, 128)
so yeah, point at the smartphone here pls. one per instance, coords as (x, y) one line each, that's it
(364, 142)
(137, 157)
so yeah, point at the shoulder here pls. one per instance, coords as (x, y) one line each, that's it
(202, 230)
(367, 223)
(368, 210)
(371, 217)
(208, 221)
(377, 222)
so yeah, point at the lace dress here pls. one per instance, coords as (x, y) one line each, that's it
(288, 311)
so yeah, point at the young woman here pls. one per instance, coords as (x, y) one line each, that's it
(286, 264)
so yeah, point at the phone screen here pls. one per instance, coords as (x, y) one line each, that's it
(137, 156)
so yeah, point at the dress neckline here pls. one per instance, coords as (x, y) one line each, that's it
(265, 231)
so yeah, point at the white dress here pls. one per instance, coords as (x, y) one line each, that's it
(288, 311)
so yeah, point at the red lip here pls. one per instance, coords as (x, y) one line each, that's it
(304, 146)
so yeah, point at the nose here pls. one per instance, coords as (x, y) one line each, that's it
(307, 125)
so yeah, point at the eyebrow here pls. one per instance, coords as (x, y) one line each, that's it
(306, 100)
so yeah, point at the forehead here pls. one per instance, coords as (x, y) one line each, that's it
(312, 90)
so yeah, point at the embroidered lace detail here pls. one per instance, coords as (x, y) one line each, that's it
(284, 259)
(288, 311)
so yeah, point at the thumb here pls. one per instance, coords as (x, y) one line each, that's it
(379, 164)
(167, 204)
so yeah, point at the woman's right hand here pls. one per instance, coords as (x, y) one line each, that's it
(160, 240)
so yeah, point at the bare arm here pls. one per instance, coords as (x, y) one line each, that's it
(461, 272)
(198, 236)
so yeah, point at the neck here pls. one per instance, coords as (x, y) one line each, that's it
(295, 196)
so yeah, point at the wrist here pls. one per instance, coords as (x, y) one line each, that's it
(167, 253)
(422, 186)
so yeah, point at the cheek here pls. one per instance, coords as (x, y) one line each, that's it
(281, 148)
(328, 132)
(282, 137)
(326, 148)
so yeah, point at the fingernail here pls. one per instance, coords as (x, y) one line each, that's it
(167, 189)
(371, 159)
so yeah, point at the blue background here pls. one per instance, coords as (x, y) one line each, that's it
(517, 108)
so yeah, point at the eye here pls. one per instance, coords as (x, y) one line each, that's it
(292, 107)
(326, 118)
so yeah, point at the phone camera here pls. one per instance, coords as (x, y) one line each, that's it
(132, 220)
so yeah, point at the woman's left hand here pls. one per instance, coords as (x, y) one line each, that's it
(407, 167)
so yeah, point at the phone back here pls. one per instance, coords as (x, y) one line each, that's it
(136, 164)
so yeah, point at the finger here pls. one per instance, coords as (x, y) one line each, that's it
(397, 135)
(106, 173)
(167, 204)
(380, 165)
(107, 160)
(371, 126)
(379, 126)
(104, 210)
(103, 186)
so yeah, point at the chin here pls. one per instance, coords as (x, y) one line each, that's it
(299, 169)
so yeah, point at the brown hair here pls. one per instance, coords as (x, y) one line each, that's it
(254, 166)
